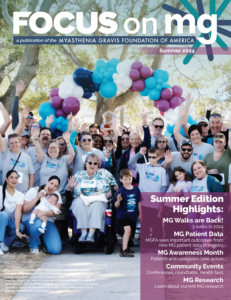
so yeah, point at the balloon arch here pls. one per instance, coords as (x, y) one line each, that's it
(107, 78)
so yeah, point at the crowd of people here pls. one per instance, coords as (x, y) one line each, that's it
(38, 166)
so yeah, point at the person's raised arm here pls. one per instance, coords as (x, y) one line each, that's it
(20, 87)
(24, 116)
(35, 138)
(6, 119)
(133, 161)
(2, 144)
(70, 124)
(49, 120)
(229, 125)
(119, 149)
(114, 122)
(147, 136)
(28, 205)
(209, 109)
(179, 121)
(71, 152)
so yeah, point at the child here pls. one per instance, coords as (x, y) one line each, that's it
(153, 179)
(45, 205)
(180, 181)
(127, 209)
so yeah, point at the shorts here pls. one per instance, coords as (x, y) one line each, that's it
(62, 216)
(126, 222)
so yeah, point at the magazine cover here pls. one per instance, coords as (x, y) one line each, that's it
(115, 149)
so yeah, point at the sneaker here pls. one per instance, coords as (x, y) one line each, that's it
(1, 253)
(83, 237)
(90, 238)
(126, 253)
(31, 222)
(4, 248)
(18, 244)
(35, 251)
(128, 249)
(41, 230)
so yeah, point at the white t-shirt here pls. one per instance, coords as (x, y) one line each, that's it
(30, 195)
(200, 185)
(10, 202)
(200, 151)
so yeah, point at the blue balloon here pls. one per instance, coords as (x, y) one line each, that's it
(112, 63)
(170, 129)
(150, 83)
(45, 110)
(42, 123)
(87, 94)
(166, 85)
(59, 120)
(82, 77)
(144, 92)
(190, 120)
(64, 128)
(108, 90)
(100, 64)
(159, 81)
(154, 94)
(158, 87)
(97, 86)
(159, 73)
(59, 127)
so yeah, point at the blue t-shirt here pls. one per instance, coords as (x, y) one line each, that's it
(129, 205)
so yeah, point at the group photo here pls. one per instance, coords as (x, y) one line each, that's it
(90, 132)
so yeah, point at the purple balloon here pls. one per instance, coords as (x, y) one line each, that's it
(131, 89)
(174, 102)
(134, 74)
(138, 85)
(54, 92)
(156, 102)
(60, 113)
(137, 65)
(146, 72)
(182, 99)
(163, 105)
(56, 102)
(167, 93)
(177, 91)
(71, 105)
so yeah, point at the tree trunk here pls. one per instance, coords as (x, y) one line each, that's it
(10, 65)
(27, 71)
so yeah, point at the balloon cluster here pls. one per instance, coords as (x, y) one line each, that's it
(83, 78)
(138, 74)
(121, 78)
(103, 75)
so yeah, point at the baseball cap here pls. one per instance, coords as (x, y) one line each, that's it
(25, 133)
(204, 120)
(186, 142)
(219, 137)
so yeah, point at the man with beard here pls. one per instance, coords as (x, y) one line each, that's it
(44, 138)
(183, 159)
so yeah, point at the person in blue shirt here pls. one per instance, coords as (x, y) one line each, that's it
(127, 209)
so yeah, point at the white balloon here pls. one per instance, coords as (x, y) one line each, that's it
(118, 82)
(115, 76)
(68, 78)
(127, 82)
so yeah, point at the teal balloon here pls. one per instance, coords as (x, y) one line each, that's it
(106, 75)
(159, 81)
(102, 70)
(170, 129)
(105, 80)
(108, 90)
(97, 77)
(112, 63)
(100, 64)
(144, 92)
(158, 87)
(166, 85)
(59, 127)
(45, 110)
(64, 128)
(150, 83)
(159, 73)
(42, 123)
(154, 94)
(60, 120)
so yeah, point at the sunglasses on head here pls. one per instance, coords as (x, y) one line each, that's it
(35, 127)
(159, 126)
(186, 149)
(203, 125)
(93, 163)
(159, 142)
(152, 157)
(108, 142)
(123, 139)
(30, 117)
(86, 140)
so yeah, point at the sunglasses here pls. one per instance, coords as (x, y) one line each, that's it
(35, 127)
(159, 142)
(93, 163)
(30, 117)
(62, 144)
(86, 140)
(123, 139)
(186, 149)
(152, 157)
(159, 126)
(203, 125)
(108, 142)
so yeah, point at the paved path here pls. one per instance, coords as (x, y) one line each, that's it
(64, 277)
